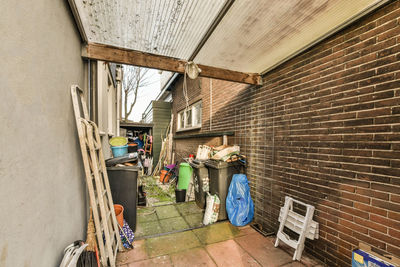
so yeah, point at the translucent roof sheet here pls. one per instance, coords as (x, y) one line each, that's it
(253, 36)
(166, 27)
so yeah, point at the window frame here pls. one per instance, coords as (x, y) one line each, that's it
(195, 108)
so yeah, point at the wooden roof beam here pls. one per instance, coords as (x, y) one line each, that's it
(141, 59)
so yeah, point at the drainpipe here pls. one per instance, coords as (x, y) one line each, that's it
(119, 77)
(210, 104)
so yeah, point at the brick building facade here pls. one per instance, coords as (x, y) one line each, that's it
(323, 128)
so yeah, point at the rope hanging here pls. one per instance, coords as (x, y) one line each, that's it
(193, 71)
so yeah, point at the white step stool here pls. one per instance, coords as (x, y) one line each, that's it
(302, 225)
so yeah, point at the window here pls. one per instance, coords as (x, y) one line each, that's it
(190, 118)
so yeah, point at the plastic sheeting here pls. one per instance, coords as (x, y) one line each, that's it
(239, 205)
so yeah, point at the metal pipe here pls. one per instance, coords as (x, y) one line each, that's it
(211, 104)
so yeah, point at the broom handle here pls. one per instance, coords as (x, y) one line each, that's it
(127, 239)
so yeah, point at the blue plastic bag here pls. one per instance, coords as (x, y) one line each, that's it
(239, 205)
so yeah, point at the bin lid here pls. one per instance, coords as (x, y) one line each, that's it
(124, 168)
(197, 164)
(217, 164)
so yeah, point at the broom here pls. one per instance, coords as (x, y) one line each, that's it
(89, 257)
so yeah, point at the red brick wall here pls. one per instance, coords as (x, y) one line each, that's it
(325, 129)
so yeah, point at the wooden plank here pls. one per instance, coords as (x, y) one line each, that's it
(137, 58)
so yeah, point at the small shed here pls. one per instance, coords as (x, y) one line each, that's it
(159, 114)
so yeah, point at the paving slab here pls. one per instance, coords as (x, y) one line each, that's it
(216, 233)
(293, 264)
(148, 229)
(147, 215)
(135, 254)
(171, 243)
(192, 257)
(168, 211)
(263, 251)
(306, 259)
(194, 220)
(173, 224)
(188, 208)
(246, 230)
(229, 253)
(154, 262)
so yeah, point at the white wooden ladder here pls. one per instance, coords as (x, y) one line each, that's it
(302, 225)
(101, 202)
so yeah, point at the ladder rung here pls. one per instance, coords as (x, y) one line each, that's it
(285, 238)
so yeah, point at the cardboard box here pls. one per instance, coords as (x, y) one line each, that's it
(365, 257)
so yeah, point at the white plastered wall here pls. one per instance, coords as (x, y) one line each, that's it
(42, 190)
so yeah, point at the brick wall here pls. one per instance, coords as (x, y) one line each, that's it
(325, 129)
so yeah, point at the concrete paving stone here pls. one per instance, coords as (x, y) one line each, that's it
(141, 210)
(135, 254)
(246, 230)
(171, 243)
(168, 211)
(154, 262)
(173, 224)
(216, 233)
(294, 264)
(194, 220)
(262, 249)
(229, 253)
(147, 217)
(192, 257)
(188, 208)
(306, 259)
(148, 229)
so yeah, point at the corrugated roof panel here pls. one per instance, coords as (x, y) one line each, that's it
(255, 35)
(166, 27)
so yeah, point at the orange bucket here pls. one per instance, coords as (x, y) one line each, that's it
(119, 213)
(164, 176)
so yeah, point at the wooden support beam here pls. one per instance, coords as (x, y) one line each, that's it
(141, 59)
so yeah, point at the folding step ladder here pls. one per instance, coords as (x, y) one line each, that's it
(101, 202)
(302, 225)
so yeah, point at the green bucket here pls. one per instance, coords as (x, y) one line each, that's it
(185, 173)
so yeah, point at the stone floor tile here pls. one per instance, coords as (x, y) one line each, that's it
(262, 249)
(216, 233)
(294, 264)
(306, 259)
(246, 230)
(147, 216)
(188, 208)
(168, 211)
(173, 224)
(154, 262)
(194, 220)
(135, 254)
(148, 229)
(171, 243)
(192, 257)
(229, 253)
(144, 210)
